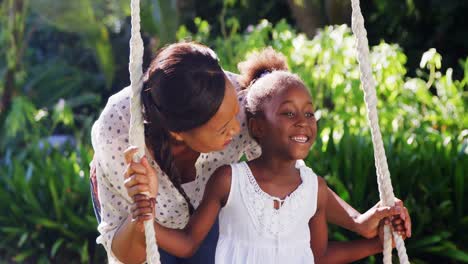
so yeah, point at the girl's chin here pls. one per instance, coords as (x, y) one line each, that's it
(300, 155)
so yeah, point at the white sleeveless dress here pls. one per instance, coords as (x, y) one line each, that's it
(252, 231)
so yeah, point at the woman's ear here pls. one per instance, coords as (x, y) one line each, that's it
(255, 126)
(177, 136)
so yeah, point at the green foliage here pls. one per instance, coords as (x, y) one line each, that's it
(70, 17)
(160, 19)
(418, 25)
(45, 192)
(44, 187)
(27, 125)
(428, 174)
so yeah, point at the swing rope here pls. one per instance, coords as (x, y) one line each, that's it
(383, 175)
(136, 132)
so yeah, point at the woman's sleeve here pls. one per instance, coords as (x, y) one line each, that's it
(109, 137)
(251, 150)
(250, 147)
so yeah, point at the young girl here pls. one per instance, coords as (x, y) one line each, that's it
(271, 209)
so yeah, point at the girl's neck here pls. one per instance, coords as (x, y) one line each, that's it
(275, 167)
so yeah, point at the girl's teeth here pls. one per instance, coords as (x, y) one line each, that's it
(300, 139)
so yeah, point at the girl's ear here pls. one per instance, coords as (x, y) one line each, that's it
(256, 128)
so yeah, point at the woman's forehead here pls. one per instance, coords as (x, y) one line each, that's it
(227, 110)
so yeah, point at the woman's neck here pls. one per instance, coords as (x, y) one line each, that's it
(181, 151)
(184, 158)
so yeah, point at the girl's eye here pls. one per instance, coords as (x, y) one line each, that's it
(309, 115)
(289, 114)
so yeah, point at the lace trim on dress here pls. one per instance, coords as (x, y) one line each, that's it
(260, 205)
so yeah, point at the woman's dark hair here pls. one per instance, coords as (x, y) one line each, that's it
(182, 89)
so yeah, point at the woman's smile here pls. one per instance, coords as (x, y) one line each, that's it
(227, 142)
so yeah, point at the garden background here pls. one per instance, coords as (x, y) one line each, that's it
(61, 60)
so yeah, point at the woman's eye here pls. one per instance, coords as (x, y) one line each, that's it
(223, 132)
(309, 115)
(289, 114)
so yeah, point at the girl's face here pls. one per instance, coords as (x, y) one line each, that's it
(288, 126)
(218, 132)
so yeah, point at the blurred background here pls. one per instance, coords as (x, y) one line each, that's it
(61, 60)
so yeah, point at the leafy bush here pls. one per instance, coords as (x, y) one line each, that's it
(46, 194)
(44, 188)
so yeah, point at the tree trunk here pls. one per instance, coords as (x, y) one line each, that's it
(308, 15)
(338, 12)
(186, 10)
(13, 42)
(8, 90)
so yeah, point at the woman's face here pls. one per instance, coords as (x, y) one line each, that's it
(218, 132)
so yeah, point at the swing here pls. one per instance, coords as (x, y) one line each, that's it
(136, 133)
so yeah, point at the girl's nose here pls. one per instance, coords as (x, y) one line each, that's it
(301, 121)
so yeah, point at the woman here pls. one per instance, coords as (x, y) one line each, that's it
(194, 123)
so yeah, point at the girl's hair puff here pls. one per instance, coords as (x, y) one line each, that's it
(264, 73)
(260, 62)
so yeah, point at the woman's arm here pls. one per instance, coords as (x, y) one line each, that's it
(109, 136)
(335, 252)
(128, 244)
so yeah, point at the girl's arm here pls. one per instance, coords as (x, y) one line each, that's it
(185, 242)
(350, 251)
(335, 252)
(342, 214)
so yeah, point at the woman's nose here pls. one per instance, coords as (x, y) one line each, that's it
(235, 129)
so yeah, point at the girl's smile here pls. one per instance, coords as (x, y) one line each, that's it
(300, 139)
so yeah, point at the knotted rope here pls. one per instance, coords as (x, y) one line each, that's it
(383, 175)
(137, 129)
